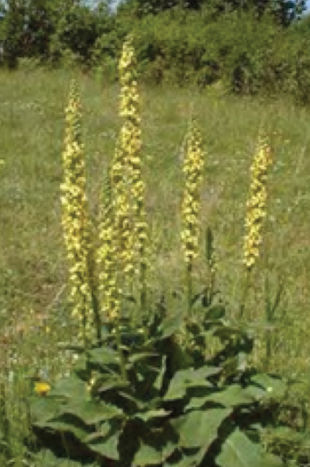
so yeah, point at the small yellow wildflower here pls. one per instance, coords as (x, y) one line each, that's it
(42, 388)
(74, 212)
(257, 203)
(192, 168)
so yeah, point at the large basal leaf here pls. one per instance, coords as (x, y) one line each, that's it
(92, 412)
(155, 446)
(70, 388)
(44, 408)
(189, 378)
(150, 455)
(239, 451)
(275, 387)
(232, 396)
(65, 423)
(107, 446)
(199, 428)
(46, 458)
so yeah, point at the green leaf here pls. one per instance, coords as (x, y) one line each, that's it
(170, 325)
(158, 383)
(91, 412)
(65, 423)
(189, 460)
(107, 446)
(137, 357)
(70, 387)
(155, 448)
(199, 428)
(44, 408)
(275, 387)
(216, 312)
(239, 451)
(147, 455)
(46, 458)
(151, 414)
(103, 356)
(103, 430)
(138, 403)
(232, 396)
(189, 378)
(108, 382)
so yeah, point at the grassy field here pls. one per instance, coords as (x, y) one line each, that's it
(33, 313)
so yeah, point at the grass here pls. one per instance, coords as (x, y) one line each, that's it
(33, 311)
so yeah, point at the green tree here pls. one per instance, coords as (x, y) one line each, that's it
(284, 10)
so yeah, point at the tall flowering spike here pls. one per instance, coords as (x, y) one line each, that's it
(257, 203)
(192, 168)
(74, 211)
(106, 258)
(129, 156)
(122, 212)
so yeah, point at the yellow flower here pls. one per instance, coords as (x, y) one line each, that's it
(106, 258)
(74, 212)
(42, 388)
(128, 185)
(192, 168)
(122, 212)
(257, 203)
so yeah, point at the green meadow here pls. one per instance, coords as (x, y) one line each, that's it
(35, 317)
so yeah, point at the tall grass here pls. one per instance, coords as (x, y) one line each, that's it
(32, 254)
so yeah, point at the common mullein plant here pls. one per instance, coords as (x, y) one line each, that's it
(191, 204)
(130, 149)
(75, 220)
(140, 396)
(256, 209)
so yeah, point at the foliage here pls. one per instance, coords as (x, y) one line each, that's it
(160, 386)
(176, 407)
(244, 44)
(285, 11)
(33, 260)
(187, 49)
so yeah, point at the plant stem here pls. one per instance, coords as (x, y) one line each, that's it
(143, 286)
(245, 293)
(189, 284)
(120, 351)
(94, 296)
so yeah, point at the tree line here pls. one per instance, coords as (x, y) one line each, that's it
(246, 46)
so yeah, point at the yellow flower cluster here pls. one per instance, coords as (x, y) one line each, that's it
(257, 203)
(127, 167)
(74, 210)
(106, 258)
(122, 213)
(192, 168)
